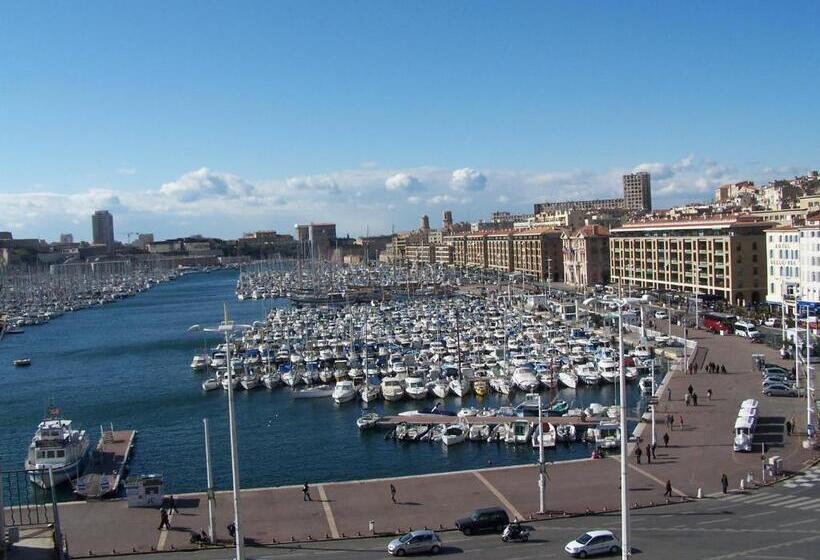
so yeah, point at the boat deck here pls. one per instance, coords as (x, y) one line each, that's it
(107, 465)
(390, 421)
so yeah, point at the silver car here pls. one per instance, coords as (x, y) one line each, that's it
(779, 390)
(592, 543)
(415, 542)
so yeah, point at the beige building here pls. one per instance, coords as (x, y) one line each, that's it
(724, 256)
(586, 256)
(537, 253)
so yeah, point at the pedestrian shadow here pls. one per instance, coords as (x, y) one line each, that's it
(408, 504)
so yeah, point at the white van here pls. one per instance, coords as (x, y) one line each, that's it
(746, 329)
(744, 428)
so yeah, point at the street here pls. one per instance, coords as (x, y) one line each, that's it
(778, 522)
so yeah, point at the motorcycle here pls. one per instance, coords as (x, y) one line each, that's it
(515, 532)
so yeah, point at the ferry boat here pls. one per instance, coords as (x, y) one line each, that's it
(56, 445)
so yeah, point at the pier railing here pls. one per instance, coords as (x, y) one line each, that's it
(23, 503)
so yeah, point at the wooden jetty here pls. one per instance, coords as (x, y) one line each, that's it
(107, 466)
(578, 422)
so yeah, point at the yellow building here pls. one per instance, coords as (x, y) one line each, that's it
(724, 256)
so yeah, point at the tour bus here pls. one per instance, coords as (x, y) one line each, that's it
(744, 428)
(719, 322)
(747, 330)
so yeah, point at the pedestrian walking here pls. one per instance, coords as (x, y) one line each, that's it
(695, 399)
(690, 389)
(654, 447)
(671, 423)
(393, 493)
(638, 454)
(172, 504)
(794, 424)
(164, 523)
(708, 394)
(306, 493)
(666, 440)
(722, 369)
(687, 399)
(788, 427)
(724, 483)
(668, 421)
(648, 454)
(669, 394)
(681, 421)
(668, 492)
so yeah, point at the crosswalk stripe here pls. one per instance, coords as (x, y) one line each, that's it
(744, 497)
(809, 505)
(763, 498)
(781, 501)
(798, 502)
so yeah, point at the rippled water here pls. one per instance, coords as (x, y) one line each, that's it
(127, 364)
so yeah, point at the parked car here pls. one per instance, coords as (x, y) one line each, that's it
(777, 380)
(593, 542)
(772, 368)
(415, 542)
(661, 314)
(484, 519)
(780, 390)
(772, 322)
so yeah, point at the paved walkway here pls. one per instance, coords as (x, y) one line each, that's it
(698, 453)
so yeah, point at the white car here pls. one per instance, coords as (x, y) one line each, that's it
(772, 322)
(661, 314)
(593, 542)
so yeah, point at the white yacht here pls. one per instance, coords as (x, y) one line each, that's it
(547, 438)
(441, 388)
(249, 381)
(454, 434)
(200, 362)
(56, 445)
(211, 383)
(525, 379)
(587, 374)
(392, 389)
(460, 387)
(568, 378)
(609, 370)
(371, 390)
(344, 391)
(271, 379)
(415, 388)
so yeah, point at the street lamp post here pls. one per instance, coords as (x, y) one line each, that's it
(227, 328)
(626, 548)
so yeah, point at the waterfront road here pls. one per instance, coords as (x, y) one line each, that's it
(699, 452)
(776, 522)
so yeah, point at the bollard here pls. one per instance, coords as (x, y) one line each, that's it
(372, 526)
(742, 487)
(310, 538)
(667, 501)
(327, 536)
(292, 539)
(651, 503)
(700, 493)
(605, 510)
(273, 540)
(358, 533)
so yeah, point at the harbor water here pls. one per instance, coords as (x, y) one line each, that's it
(127, 364)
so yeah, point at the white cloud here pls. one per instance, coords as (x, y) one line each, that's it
(468, 179)
(204, 183)
(126, 171)
(403, 182)
(315, 183)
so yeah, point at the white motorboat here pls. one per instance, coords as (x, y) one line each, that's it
(607, 435)
(441, 388)
(234, 381)
(545, 436)
(479, 432)
(313, 392)
(642, 352)
(344, 391)
(568, 378)
(291, 377)
(392, 389)
(271, 379)
(57, 446)
(460, 387)
(415, 388)
(501, 384)
(249, 381)
(371, 390)
(525, 379)
(645, 384)
(565, 433)
(587, 374)
(609, 370)
(211, 383)
(368, 420)
(454, 434)
(518, 432)
(200, 362)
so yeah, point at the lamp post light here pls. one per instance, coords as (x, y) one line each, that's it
(626, 548)
(228, 328)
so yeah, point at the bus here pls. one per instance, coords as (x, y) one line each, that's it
(719, 322)
(747, 330)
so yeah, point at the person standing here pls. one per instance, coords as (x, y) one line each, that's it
(668, 492)
(654, 447)
(638, 453)
(172, 505)
(668, 394)
(690, 389)
(648, 454)
(666, 439)
(695, 399)
(393, 493)
(724, 483)
(788, 427)
(708, 394)
(681, 421)
(306, 493)
(163, 520)
(671, 423)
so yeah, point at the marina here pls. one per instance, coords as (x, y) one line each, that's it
(107, 465)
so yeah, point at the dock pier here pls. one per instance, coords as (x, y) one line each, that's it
(107, 466)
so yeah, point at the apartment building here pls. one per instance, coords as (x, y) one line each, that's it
(638, 191)
(723, 255)
(809, 252)
(476, 253)
(586, 256)
(794, 264)
(499, 251)
(537, 253)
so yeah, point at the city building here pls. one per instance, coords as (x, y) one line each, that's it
(783, 252)
(582, 205)
(586, 256)
(810, 263)
(316, 240)
(724, 256)
(568, 218)
(537, 253)
(638, 192)
(102, 229)
(447, 221)
(66, 238)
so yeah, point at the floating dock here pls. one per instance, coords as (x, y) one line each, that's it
(107, 466)
(391, 421)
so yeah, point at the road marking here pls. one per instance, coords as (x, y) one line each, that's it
(799, 502)
(331, 522)
(802, 522)
(808, 505)
(721, 520)
(758, 514)
(761, 498)
(503, 499)
(747, 553)
(781, 501)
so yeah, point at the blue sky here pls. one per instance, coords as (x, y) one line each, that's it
(219, 118)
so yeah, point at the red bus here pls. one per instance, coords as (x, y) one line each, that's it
(719, 322)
